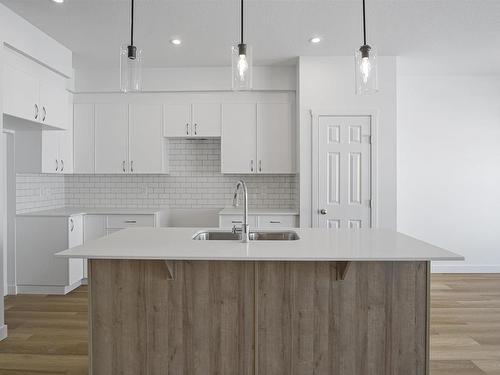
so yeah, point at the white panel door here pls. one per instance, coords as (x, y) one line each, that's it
(54, 104)
(177, 120)
(344, 172)
(111, 138)
(146, 141)
(83, 130)
(276, 138)
(21, 94)
(206, 120)
(239, 138)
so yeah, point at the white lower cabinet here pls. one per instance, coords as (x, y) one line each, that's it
(260, 221)
(96, 226)
(38, 238)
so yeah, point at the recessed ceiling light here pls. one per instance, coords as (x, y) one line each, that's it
(315, 40)
(176, 41)
(58, 1)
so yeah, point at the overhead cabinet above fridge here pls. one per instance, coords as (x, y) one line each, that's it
(34, 92)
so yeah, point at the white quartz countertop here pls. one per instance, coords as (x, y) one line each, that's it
(71, 211)
(259, 211)
(314, 245)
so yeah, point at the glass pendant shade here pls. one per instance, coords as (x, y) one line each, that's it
(366, 71)
(130, 69)
(242, 67)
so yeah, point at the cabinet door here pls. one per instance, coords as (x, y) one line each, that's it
(75, 238)
(83, 123)
(207, 119)
(146, 141)
(111, 138)
(177, 120)
(239, 138)
(275, 146)
(50, 151)
(20, 97)
(54, 104)
(66, 142)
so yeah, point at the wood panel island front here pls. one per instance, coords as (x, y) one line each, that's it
(332, 302)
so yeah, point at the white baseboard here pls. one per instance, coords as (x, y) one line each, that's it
(3, 332)
(85, 281)
(47, 289)
(11, 290)
(466, 268)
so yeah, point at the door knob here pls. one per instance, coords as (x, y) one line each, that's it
(323, 211)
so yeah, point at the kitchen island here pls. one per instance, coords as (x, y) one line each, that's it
(347, 302)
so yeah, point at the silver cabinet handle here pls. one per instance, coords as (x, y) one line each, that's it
(260, 165)
(236, 222)
(62, 165)
(195, 129)
(132, 166)
(130, 221)
(44, 114)
(251, 166)
(123, 166)
(275, 222)
(36, 111)
(323, 211)
(57, 165)
(72, 225)
(187, 129)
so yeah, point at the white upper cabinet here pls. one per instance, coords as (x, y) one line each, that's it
(84, 147)
(146, 143)
(239, 138)
(33, 92)
(206, 120)
(111, 138)
(118, 138)
(177, 120)
(54, 105)
(258, 138)
(50, 151)
(20, 97)
(192, 120)
(276, 138)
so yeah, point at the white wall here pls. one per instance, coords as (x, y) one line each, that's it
(327, 83)
(265, 78)
(449, 166)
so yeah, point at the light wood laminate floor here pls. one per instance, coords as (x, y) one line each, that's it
(48, 334)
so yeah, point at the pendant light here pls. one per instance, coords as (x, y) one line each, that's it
(241, 63)
(131, 62)
(366, 65)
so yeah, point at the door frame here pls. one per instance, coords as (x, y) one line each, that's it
(315, 116)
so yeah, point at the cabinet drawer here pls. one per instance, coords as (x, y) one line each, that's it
(276, 221)
(228, 221)
(130, 221)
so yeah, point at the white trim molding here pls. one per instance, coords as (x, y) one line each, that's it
(3, 332)
(465, 268)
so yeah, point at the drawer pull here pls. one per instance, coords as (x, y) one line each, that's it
(275, 222)
(237, 222)
(130, 221)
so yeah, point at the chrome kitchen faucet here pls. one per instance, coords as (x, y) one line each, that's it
(245, 228)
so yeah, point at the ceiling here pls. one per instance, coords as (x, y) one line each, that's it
(454, 36)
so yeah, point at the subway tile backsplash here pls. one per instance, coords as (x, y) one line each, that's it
(194, 181)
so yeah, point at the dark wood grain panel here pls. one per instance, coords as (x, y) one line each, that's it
(200, 322)
(373, 322)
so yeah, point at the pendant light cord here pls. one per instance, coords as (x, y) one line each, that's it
(132, 25)
(364, 23)
(242, 21)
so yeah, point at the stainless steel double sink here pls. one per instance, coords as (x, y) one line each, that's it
(253, 236)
